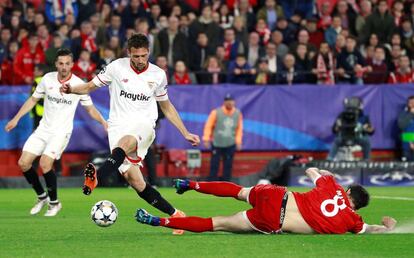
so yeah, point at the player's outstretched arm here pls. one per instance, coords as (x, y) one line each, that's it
(84, 88)
(27, 106)
(171, 114)
(388, 224)
(96, 115)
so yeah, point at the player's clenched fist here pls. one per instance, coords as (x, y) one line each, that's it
(65, 88)
(193, 139)
(389, 222)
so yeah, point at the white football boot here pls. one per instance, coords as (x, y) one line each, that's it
(53, 209)
(39, 205)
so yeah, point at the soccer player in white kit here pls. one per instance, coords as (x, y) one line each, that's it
(134, 85)
(53, 133)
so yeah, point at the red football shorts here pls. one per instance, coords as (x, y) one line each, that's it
(265, 214)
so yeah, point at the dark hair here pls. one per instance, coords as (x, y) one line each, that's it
(411, 97)
(359, 196)
(138, 41)
(63, 52)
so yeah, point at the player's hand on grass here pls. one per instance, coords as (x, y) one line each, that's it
(65, 88)
(389, 222)
(10, 125)
(193, 139)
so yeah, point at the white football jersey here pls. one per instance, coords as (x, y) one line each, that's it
(59, 109)
(133, 93)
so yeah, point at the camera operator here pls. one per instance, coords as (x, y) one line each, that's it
(352, 127)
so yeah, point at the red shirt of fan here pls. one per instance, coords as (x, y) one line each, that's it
(327, 210)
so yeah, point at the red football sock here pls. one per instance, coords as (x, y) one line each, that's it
(194, 224)
(223, 189)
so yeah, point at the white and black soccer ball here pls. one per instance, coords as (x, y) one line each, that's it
(104, 213)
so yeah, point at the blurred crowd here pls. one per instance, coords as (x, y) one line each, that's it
(216, 41)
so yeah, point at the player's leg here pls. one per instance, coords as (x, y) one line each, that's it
(134, 177)
(46, 164)
(214, 163)
(25, 163)
(220, 189)
(33, 148)
(53, 151)
(127, 144)
(228, 155)
(234, 223)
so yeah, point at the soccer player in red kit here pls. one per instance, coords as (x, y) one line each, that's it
(326, 209)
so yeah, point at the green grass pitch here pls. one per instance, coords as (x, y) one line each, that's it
(73, 234)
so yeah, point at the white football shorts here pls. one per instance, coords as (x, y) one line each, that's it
(47, 143)
(143, 132)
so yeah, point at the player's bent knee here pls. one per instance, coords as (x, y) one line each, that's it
(24, 164)
(244, 192)
(128, 143)
(45, 165)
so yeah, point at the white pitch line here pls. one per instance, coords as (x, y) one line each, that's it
(393, 198)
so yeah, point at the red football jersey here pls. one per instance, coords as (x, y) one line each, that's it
(327, 210)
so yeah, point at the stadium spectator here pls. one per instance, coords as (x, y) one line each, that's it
(396, 53)
(173, 43)
(50, 53)
(45, 39)
(378, 67)
(213, 72)
(25, 60)
(365, 11)
(155, 13)
(406, 32)
(263, 31)
(115, 28)
(304, 8)
(29, 16)
(307, 213)
(239, 71)
(379, 22)
(240, 31)
(162, 62)
(231, 46)
(87, 9)
(57, 11)
(404, 73)
(263, 75)
(281, 48)
(254, 50)
(352, 126)
(397, 11)
(303, 38)
(373, 42)
(289, 74)
(205, 24)
(8, 73)
(270, 13)
(184, 25)
(181, 75)
(106, 57)
(200, 52)
(5, 38)
(115, 45)
(324, 15)
(347, 15)
(244, 10)
(333, 31)
(406, 126)
(63, 32)
(325, 65)
(135, 10)
(223, 133)
(275, 63)
(39, 19)
(84, 68)
(288, 31)
(316, 36)
(226, 18)
(350, 63)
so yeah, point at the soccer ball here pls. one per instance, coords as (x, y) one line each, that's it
(104, 213)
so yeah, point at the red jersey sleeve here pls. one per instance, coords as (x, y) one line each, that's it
(359, 226)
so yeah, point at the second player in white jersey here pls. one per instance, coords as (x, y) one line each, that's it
(59, 110)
